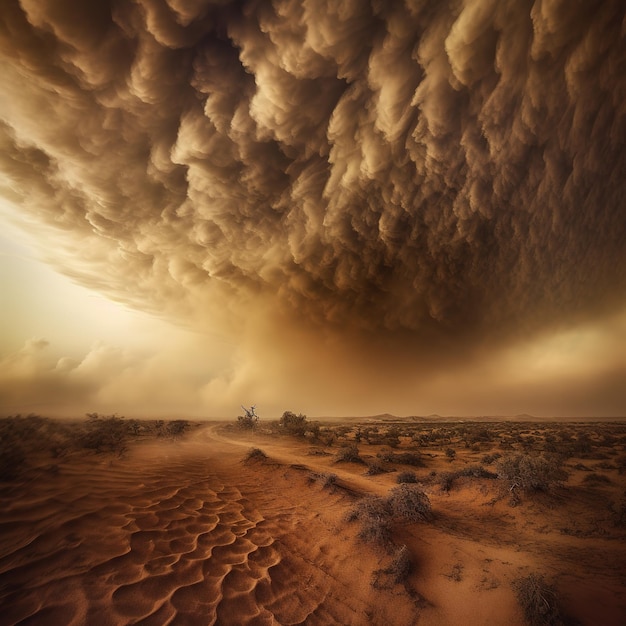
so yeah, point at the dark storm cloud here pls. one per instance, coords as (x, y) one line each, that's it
(421, 166)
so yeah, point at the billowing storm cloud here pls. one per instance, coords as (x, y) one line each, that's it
(417, 174)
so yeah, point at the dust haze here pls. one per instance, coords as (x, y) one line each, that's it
(374, 199)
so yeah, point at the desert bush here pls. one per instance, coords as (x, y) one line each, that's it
(376, 530)
(410, 503)
(326, 480)
(329, 480)
(530, 473)
(538, 601)
(174, 428)
(12, 460)
(17, 435)
(105, 433)
(348, 454)
(476, 471)
(406, 477)
(370, 506)
(374, 516)
(488, 459)
(413, 459)
(396, 572)
(374, 468)
(597, 478)
(294, 424)
(481, 434)
(392, 441)
(246, 422)
(447, 479)
(255, 454)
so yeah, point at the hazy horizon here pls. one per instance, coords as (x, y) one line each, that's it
(412, 208)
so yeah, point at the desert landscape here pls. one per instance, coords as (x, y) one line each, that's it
(342, 212)
(294, 521)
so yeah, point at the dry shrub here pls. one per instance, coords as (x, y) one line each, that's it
(348, 454)
(488, 459)
(406, 477)
(376, 529)
(375, 517)
(107, 433)
(397, 572)
(295, 424)
(401, 566)
(370, 506)
(531, 473)
(373, 469)
(597, 479)
(326, 480)
(255, 454)
(538, 601)
(447, 479)
(413, 459)
(12, 460)
(410, 503)
(246, 422)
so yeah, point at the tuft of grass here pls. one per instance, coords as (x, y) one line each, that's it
(538, 600)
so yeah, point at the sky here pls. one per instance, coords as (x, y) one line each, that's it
(340, 209)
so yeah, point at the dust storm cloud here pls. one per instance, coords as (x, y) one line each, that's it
(378, 186)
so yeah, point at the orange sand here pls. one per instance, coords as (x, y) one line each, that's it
(184, 532)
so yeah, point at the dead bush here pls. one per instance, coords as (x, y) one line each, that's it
(530, 473)
(376, 529)
(597, 479)
(349, 454)
(375, 518)
(414, 459)
(538, 601)
(106, 433)
(397, 572)
(447, 479)
(410, 503)
(255, 454)
(406, 477)
(488, 459)
(373, 469)
(294, 424)
(326, 480)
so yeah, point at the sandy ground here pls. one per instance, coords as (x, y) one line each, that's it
(187, 532)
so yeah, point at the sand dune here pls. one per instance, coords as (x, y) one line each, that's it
(185, 532)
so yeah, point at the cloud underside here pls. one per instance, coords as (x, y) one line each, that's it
(430, 170)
